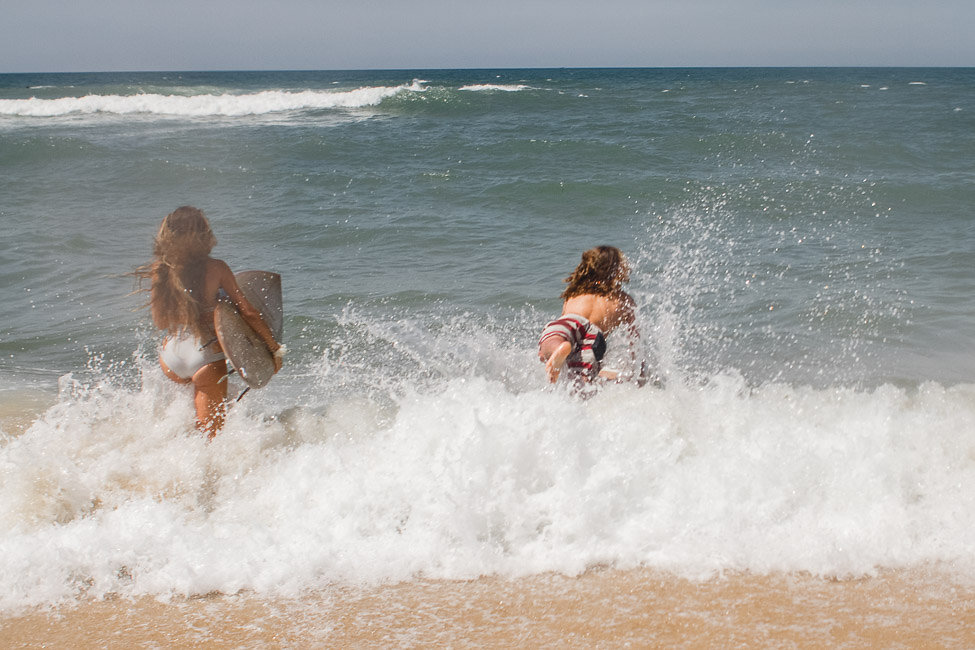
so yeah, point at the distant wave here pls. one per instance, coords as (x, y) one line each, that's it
(226, 105)
(504, 87)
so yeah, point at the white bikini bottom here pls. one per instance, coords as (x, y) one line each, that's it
(184, 354)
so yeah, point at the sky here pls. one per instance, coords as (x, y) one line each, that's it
(145, 35)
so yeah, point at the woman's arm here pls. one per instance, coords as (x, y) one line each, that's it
(554, 364)
(251, 316)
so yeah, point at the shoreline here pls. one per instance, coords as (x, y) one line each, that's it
(601, 608)
(21, 407)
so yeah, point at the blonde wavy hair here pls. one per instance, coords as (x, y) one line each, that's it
(602, 272)
(180, 252)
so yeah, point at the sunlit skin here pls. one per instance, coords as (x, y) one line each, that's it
(607, 310)
(209, 383)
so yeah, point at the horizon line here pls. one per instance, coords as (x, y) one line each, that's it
(503, 68)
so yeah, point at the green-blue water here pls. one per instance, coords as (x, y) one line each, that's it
(846, 193)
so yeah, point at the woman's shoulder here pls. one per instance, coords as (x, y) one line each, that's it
(217, 266)
(218, 276)
(216, 263)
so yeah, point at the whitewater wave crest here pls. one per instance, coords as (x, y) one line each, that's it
(499, 87)
(111, 490)
(204, 105)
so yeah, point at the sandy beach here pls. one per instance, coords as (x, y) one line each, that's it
(602, 608)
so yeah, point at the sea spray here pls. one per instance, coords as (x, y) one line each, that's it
(112, 490)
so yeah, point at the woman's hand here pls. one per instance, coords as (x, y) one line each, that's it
(278, 356)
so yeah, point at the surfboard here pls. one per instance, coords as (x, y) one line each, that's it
(245, 350)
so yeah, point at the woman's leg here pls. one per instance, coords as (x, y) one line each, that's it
(210, 396)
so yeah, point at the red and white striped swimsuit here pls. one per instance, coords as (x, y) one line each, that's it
(588, 343)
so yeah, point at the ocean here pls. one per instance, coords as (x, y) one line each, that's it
(803, 252)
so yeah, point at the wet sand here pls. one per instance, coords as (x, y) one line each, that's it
(19, 409)
(602, 608)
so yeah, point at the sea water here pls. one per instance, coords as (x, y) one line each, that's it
(803, 252)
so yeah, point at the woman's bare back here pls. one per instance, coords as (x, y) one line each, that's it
(605, 312)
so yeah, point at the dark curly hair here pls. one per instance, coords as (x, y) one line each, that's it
(602, 272)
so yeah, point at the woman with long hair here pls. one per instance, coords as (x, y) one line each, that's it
(594, 304)
(185, 284)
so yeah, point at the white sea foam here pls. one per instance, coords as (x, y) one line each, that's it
(111, 490)
(226, 105)
(501, 87)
